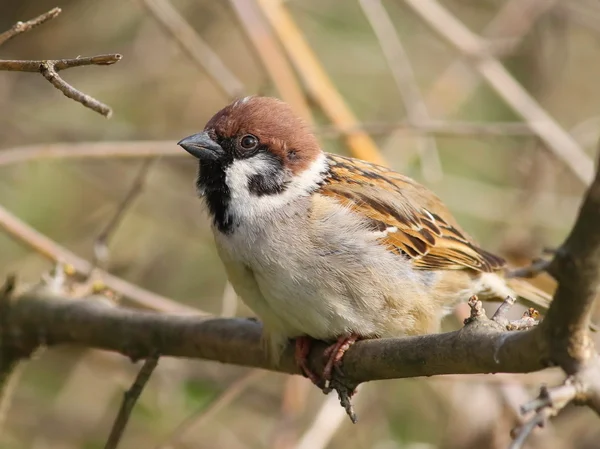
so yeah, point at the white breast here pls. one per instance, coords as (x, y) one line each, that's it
(326, 275)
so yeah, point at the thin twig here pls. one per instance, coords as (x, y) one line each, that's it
(23, 27)
(173, 23)
(48, 71)
(51, 250)
(405, 79)
(549, 402)
(271, 55)
(316, 80)
(538, 420)
(438, 127)
(204, 414)
(135, 149)
(50, 68)
(549, 131)
(56, 65)
(130, 397)
(503, 309)
(451, 90)
(537, 267)
(101, 252)
(87, 150)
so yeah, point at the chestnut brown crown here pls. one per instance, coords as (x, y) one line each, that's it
(278, 129)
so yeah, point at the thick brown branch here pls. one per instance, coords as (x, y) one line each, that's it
(480, 347)
(576, 267)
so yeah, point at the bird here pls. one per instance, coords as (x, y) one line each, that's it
(327, 247)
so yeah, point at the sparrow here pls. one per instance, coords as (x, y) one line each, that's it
(327, 247)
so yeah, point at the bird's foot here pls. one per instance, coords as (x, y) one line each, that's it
(303, 345)
(335, 353)
(328, 382)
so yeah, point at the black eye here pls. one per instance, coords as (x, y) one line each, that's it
(249, 142)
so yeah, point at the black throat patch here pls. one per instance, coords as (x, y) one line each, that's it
(211, 182)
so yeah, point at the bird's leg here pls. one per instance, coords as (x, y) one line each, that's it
(335, 352)
(301, 356)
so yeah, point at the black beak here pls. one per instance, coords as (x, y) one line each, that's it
(202, 146)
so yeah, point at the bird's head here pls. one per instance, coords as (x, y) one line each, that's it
(255, 155)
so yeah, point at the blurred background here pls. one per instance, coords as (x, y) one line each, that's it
(378, 82)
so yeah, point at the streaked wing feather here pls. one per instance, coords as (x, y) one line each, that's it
(411, 219)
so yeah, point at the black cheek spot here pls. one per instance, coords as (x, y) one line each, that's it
(261, 184)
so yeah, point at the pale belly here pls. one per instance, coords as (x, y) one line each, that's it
(346, 287)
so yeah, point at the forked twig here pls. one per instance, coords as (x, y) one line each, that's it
(101, 252)
(527, 321)
(130, 397)
(549, 402)
(202, 415)
(49, 68)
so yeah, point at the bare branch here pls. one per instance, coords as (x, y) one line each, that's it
(556, 139)
(129, 399)
(403, 74)
(547, 404)
(38, 66)
(101, 243)
(93, 150)
(576, 267)
(437, 127)
(537, 267)
(173, 23)
(272, 56)
(480, 347)
(50, 68)
(23, 27)
(201, 416)
(51, 250)
(514, 21)
(316, 80)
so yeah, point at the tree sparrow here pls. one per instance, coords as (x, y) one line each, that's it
(327, 247)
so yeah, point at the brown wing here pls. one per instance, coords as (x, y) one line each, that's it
(412, 220)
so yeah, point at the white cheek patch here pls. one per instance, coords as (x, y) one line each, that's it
(244, 204)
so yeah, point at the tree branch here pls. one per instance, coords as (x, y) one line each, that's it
(39, 317)
(49, 68)
(42, 318)
(557, 140)
(23, 27)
